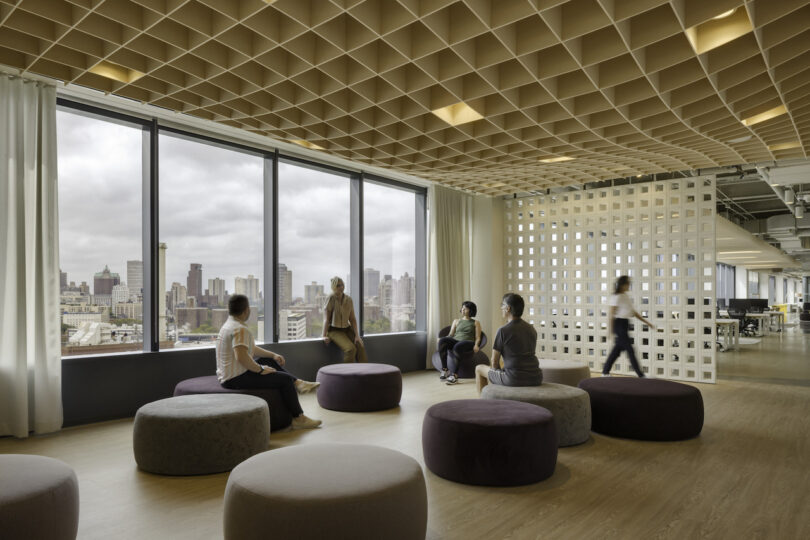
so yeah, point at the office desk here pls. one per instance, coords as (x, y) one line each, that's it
(729, 331)
(763, 322)
(780, 319)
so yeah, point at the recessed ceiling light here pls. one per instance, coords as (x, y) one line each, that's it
(116, 72)
(784, 146)
(732, 252)
(307, 144)
(742, 139)
(767, 115)
(719, 30)
(457, 114)
(556, 159)
(725, 14)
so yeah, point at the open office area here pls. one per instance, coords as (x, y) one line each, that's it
(393, 269)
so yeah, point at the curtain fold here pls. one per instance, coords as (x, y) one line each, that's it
(30, 353)
(449, 258)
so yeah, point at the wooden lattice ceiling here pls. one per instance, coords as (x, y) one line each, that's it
(618, 85)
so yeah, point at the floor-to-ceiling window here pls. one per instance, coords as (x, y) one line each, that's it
(100, 176)
(725, 283)
(159, 227)
(389, 258)
(211, 238)
(314, 245)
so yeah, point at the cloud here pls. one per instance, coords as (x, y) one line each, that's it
(212, 210)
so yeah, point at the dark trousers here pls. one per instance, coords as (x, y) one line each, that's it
(459, 348)
(620, 327)
(281, 380)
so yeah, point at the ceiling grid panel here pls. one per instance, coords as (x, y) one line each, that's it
(494, 97)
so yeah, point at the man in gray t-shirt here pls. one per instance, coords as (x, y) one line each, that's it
(516, 342)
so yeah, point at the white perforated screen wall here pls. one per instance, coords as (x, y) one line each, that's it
(563, 253)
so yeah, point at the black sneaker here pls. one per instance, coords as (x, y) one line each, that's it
(452, 379)
(443, 375)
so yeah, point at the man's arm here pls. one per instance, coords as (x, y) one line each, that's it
(242, 356)
(262, 353)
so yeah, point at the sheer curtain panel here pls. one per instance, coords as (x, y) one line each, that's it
(449, 258)
(30, 355)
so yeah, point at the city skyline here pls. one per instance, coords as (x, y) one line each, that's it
(211, 210)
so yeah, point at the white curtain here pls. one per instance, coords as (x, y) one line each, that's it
(449, 258)
(30, 355)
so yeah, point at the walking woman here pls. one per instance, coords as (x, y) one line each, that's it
(621, 311)
(340, 324)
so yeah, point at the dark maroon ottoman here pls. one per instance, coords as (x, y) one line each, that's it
(644, 409)
(359, 387)
(280, 417)
(490, 442)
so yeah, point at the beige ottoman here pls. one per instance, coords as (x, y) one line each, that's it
(39, 498)
(570, 406)
(335, 491)
(199, 434)
(564, 372)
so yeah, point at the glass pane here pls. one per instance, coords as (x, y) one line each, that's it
(100, 186)
(389, 275)
(314, 245)
(212, 241)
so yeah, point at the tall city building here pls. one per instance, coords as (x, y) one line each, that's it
(371, 282)
(194, 281)
(135, 277)
(386, 291)
(216, 288)
(248, 286)
(120, 294)
(292, 325)
(177, 296)
(63, 282)
(104, 281)
(283, 285)
(403, 293)
(312, 292)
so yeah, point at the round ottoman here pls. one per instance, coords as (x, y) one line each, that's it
(645, 409)
(336, 491)
(201, 434)
(39, 498)
(489, 442)
(564, 372)
(359, 387)
(570, 406)
(280, 416)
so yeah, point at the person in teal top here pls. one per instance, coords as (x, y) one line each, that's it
(464, 336)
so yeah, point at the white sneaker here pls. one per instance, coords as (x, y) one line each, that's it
(605, 374)
(304, 422)
(302, 387)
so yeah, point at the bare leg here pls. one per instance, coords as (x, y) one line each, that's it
(481, 377)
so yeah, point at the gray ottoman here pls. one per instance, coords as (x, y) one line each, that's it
(570, 406)
(335, 491)
(564, 372)
(200, 434)
(39, 498)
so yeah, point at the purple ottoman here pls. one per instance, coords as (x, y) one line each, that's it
(280, 417)
(644, 409)
(489, 442)
(359, 387)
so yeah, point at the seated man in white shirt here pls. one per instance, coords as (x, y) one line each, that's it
(236, 367)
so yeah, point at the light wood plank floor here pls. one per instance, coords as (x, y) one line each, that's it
(746, 476)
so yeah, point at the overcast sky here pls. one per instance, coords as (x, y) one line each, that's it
(211, 211)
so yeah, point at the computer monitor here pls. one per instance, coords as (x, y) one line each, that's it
(758, 305)
(739, 304)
